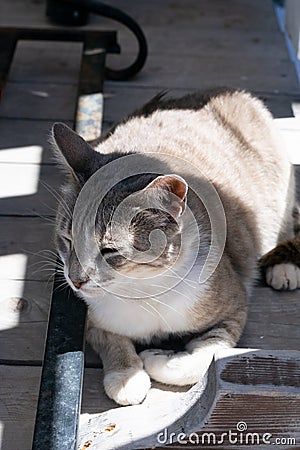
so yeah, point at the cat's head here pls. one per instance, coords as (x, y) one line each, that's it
(139, 247)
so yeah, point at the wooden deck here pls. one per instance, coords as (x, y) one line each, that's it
(192, 44)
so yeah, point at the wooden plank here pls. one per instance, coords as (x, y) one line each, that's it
(19, 396)
(273, 320)
(19, 392)
(47, 101)
(292, 23)
(167, 71)
(29, 189)
(24, 309)
(46, 61)
(240, 14)
(187, 41)
(236, 378)
(26, 248)
(205, 41)
(211, 38)
(23, 134)
(120, 100)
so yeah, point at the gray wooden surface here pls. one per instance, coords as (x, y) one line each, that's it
(192, 45)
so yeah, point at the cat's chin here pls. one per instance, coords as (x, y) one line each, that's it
(90, 292)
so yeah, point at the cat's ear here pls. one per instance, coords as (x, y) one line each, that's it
(177, 186)
(73, 151)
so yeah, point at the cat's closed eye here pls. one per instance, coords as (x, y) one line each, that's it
(108, 251)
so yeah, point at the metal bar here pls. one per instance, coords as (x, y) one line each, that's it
(61, 383)
(59, 402)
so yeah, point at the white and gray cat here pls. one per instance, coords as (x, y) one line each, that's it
(224, 138)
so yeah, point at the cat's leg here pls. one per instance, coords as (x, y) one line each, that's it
(125, 381)
(281, 265)
(189, 367)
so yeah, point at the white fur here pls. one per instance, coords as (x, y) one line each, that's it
(181, 368)
(128, 386)
(139, 318)
(283, 277)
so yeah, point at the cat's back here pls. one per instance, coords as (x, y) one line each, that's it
(227, 136)
(216, 126)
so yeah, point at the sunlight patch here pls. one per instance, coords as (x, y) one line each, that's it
(18, 179)
(29, 154)
(13, 267)
(289, 128)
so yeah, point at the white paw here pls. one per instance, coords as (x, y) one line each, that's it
(168, 367)
(283, 276)
(127, 387)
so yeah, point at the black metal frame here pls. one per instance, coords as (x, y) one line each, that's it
(60, 393)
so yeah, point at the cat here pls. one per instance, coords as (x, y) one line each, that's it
(160, 163)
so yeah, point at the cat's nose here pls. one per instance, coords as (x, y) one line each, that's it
(78, 284)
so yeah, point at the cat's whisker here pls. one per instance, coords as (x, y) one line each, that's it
(41, 252)
(167, 305)
(157, 301)
(50, 278)
(179, 280)
(49, 219)
(147, 310)
(60, 287)
(123, 300)
(159, 314)
(173, 290)
(184, 280)
(39, 265)
(41, 270)
(58, 197)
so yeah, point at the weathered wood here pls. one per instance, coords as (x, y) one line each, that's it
(48, 101)
(242, 15)
(17, 136)
(292, 23)
(35, 248)
(19, 388)
(211, 39)
(29, 189)
(24, 307)
(273, 320)
(163, 71)
(53, 62)
(240, 387)
(19, 392)
(120, 101)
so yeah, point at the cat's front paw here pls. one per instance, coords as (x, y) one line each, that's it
(168, 367)
(128, 386)
(283, 277)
